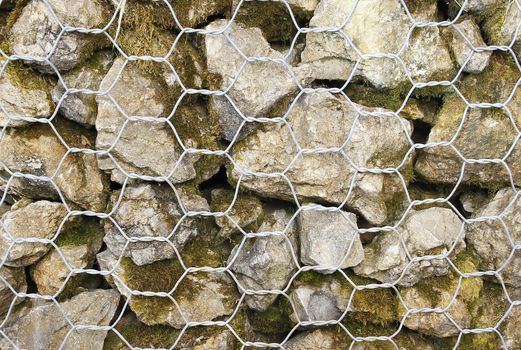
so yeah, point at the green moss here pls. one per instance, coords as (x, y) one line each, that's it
(272, 321)
(211, 252)
(160, 276)
(13, 17)
(384, 98)
(313, 278)
(27, 78)
(481, 341)
(360, 329)
(80, 232)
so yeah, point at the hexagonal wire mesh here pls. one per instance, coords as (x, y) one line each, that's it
(337, 174)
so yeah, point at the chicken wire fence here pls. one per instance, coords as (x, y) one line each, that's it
(187, 151)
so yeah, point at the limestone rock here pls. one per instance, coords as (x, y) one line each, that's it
(329, 239)
(472, 201)
(265, 263)
(329, 56)
(429, 231)
(489, 239)
(477, 7)
(36, 150)
(79, 245)
(324, 120)
(142, 94)
(259, 88)
(35, 32)
(319, 339)
(500, 24)
(24, 94)
(152, 210)
(35, 220)
(82, 108)
(41, 325)
(510, 328)
(478, 60)
(15, 277)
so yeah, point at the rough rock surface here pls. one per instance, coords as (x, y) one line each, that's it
(266, 263)
(82, 108)
(36, 150)
(36, 31)
(15, 278)
(320, 339)
(327, 177)
(152, 210)
(41, 325)
(329, 239)
(40, 219)
(429, 231)
(462, 49)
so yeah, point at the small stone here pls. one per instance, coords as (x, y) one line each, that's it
(472, 201)
(35, 220)
(265, 263)
(24, 94)
(40, 325)
(82, 108)
(15, 277)
(78, 245)
(37, 150)
(423, 232)
(325, 239)
(152, 210)
(36, 30)
(257, 89)
(479, 60)
(319, 339)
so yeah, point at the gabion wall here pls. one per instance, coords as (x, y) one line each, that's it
(225, 174)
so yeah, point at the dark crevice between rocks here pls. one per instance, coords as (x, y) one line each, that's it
(328, 84)
(31, 286)
(219, 180)
(114, 186)
(421, 131)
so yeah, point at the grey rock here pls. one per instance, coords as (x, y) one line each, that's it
(36, 150)
(82, 108)
(324, 120)
(15, 279)
(462, 50)
(35, 220)
(36, 31)
(152, 210)
(472, 201)
(258, 88)
(21, 98)
(489, 239)
(510, 328)
(319, 339)
(477, 7)
(266, 263)
(329, 56)
(329, 239)
(41, 325)
(423, 232)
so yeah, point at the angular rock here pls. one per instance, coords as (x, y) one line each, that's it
(79, 245)
(141, 94)
(35, 32)
(478, 60)
(329, 239)
(24, 94)
(429, 231)
(489, 240)
(472, 201)
(15, 277)
(265, 263)
(246, 212)
(82, 108)
(41, 325)
(324, 120)
(328, 55)
(152, 210)
(36, 150)
(259, 90)
(319, 339)
(476, 7)
(35, 220)
(501, 22)
(510, 328)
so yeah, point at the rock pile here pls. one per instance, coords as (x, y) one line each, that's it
(239, 183)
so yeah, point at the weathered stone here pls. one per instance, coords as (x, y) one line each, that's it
(471, 201)
(461, 48)
(41, 324)
(36, 31)
(152, 210)
(475, 7)
(260, 89)
(319, 339)
(510, 328)
(37, 150)
(24, 94)
(329, 239)
(324, 120)
(35, 220)
(329, 56)
(78, 245)
(82, 108)
(246, 212)
(142, 94)
(429, 231)
(15, 277)
(266, 263)
(501, 22)
(489, 238)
